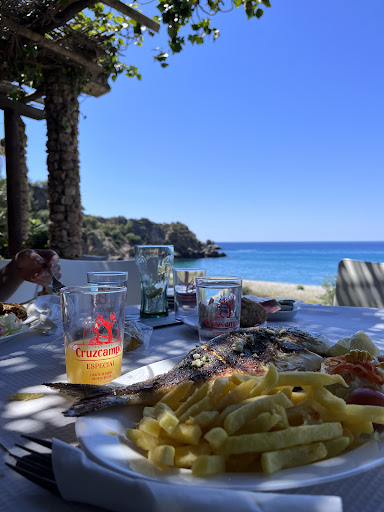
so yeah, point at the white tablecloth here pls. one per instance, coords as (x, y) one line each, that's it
(29, 359)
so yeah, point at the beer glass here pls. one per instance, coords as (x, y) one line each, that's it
(93, 326)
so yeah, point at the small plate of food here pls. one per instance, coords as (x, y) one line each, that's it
(15, 320)
(278, 309)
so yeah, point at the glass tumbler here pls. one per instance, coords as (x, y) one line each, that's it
(108, 277)
(93, 327)
(184, 286)
(218, 304)
(154, 263)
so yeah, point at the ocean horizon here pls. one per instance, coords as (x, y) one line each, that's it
(307, 263)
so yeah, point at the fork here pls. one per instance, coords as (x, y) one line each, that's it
(36, 466)
(56, 284)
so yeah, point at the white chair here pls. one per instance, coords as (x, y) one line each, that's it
(26, 290)
(74, 273)
(360, 283)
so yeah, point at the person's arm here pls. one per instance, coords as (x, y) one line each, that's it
(28, 265)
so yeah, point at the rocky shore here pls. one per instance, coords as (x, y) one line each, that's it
(116, 238)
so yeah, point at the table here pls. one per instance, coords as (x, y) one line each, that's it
(30, 359)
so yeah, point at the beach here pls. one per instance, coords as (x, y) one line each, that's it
(310, 293)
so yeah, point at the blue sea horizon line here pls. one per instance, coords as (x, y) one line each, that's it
(303, 242)
(286, 262)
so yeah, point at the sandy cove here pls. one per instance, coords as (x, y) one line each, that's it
(310, 293)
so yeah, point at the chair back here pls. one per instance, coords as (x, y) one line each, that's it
(360, 283)
(26, 290)
(74, 273)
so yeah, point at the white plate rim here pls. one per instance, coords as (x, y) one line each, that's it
(32, 321)
(191, 321)
(118, 455)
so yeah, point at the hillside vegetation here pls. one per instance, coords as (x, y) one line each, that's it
(112, 238)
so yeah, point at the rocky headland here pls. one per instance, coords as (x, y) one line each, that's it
(116, 237)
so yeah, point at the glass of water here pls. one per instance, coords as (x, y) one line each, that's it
(219, 304)
(109, 277)
(184, 286)
(117, 278)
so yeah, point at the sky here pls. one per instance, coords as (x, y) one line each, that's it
(274, 132)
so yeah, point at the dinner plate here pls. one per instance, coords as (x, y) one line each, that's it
(31, 321)
(191, 321)
(102, 437)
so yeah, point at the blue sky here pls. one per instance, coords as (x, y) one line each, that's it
(275, 132)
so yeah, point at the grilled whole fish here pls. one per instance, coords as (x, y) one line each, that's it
(245, 351)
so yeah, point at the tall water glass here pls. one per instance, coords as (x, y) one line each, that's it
(154, 263)
(219, 304)
(109, 277)
(93, 326)
(184, 286)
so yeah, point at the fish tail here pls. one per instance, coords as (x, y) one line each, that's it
(82, 390)
(90, 404)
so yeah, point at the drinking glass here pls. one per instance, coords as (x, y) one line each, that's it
(117, 278)
(184, 286)
(219, 304)
(93, 326)
(108, 277)
(154, 263)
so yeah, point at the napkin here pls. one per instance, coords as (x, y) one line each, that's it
(82, 480)
(48, 309)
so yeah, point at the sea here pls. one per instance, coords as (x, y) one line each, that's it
(310, 263)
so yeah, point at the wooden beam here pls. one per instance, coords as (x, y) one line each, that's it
(133, 14)
(35, 96)
(21, 108)
(50, 45)
(96, 89)
(65, 15)
(12, 158)
(77, 6)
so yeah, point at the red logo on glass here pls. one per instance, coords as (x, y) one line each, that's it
(102, 330)
(225, 307)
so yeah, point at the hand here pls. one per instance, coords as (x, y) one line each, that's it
(32, 265)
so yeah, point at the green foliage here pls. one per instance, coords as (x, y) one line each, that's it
(185, 20)
(299, 287)
(188, 14)
(38, 238)
(329, 285)
(38, 196)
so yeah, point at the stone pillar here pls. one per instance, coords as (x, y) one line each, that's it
(64, 201)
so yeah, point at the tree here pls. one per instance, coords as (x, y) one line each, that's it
(59, 48)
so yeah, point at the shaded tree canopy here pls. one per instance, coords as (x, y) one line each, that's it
(98, 34)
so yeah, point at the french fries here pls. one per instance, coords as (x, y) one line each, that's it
(243, 423)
